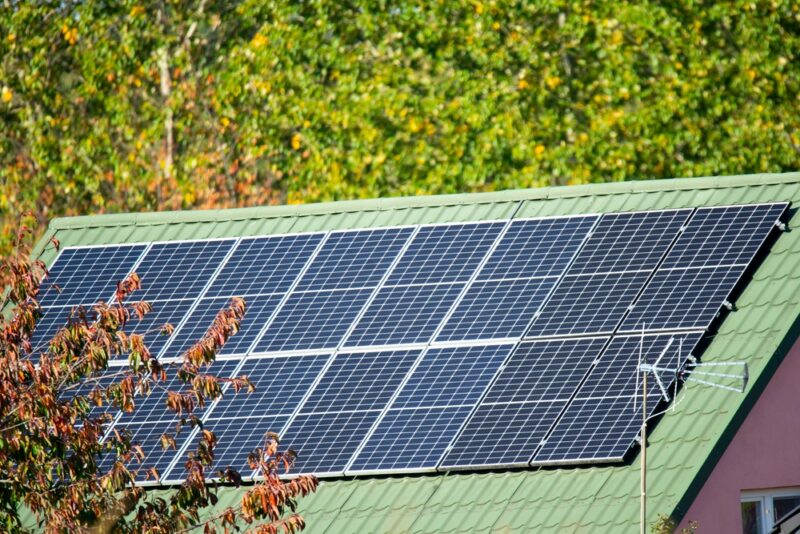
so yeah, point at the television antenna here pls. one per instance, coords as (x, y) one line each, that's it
(727, 375)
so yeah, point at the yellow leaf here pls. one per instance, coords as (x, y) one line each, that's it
(538, 150)
(296, 141)
(6, 95)
(136, 11)
(522, 85)
(552, 82)
(259, 40)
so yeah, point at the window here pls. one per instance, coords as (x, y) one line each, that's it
(761, 509)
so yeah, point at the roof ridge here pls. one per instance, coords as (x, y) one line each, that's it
(389, 203)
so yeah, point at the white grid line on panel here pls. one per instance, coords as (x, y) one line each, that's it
(433, 336)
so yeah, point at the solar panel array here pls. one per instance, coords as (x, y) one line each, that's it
(429, 347)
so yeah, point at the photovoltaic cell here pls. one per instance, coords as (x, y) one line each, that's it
(87, 275)
(313, 320)
(537, 247)
(264, 265)
(404, 314)
(724, 235)
(603, 420)
(354, 259)
(258, 310)
(588, 304)
(523, 402)
(496, 309)
(431, 408)
(445, 253)
(179, 269)
(54, 319)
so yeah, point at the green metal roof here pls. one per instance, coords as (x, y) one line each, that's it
(685, 444)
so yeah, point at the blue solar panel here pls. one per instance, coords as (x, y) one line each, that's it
(496, 309)
(605, 417)
(153, 406)
(724, 235)
(629, 241)
(100, 380)
(410, 439)
(451, 376)
(404, 314)
(445, 253)
(258, 310)
(180, 269)
(87, 275)
(537, 247)
(608, 273)
(263, 265)
(236, 439)
(354, 259)
(523, 403)
(360, 381)
(54, 319)
(147, 435)
(682, 298)
(313, 320)
(327, 441)
(588, 304)
(349, 398)
(152, 325)
(280, 384)
(430, 408)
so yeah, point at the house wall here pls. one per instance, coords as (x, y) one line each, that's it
(764, 453)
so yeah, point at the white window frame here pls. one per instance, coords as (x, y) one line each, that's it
(765, 497)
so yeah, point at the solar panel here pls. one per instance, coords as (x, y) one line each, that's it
(342, 407)
(88, 275)
(537, 247)
(608, 273)
(354, 259)
(151, 327)
(258, 310)
(729, 235)
(264, 265)
(605, 417)
(523, 402)
(404, 314)
(313, 320)
(180, 269)
(54, 319)
(496, 309)
(445, 253)
(430, 409)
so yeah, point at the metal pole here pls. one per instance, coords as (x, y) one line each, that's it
(643, 434)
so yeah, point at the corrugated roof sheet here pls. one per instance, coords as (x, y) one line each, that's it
(683, 446)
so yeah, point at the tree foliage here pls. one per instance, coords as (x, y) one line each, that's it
(52, 441)
(138, 105)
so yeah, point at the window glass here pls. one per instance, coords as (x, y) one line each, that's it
(751, 514)
(783, 505)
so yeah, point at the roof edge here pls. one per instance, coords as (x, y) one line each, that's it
(542, 193)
